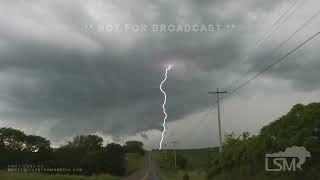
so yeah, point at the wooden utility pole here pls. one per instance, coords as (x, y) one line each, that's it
(174, 151)
(219, 122)
(165, 151)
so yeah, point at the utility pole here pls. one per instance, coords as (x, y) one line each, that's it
(174, 151)
(165, 151)
(219, 122)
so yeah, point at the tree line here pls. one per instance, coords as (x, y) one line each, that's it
(86, 153)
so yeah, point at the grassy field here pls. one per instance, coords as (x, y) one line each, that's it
(197, 161)
(197, 158)
(133, 163)
(4, 175)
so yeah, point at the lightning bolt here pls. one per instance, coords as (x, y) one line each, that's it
(164, 105)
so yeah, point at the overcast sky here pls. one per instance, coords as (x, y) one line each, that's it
(62, 75)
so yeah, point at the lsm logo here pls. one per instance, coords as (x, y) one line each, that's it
(295, 155)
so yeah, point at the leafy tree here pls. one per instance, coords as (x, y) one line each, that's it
(36, 143)
(86, 143)
(134, 147)
(84, 151)
(12, 139)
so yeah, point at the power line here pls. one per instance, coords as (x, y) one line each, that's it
(207, 112)
(277, 61)
(277, 28)
(300, 28)
(292, 5)
(280, 45)
(277, 21)
(270, 66)
(266, 36)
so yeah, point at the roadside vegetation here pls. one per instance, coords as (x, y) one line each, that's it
(4, 175)
(243, 156)
(191, 163)
(134, 161)
(85, 157)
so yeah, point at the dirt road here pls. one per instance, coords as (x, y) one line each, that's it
(148, 172)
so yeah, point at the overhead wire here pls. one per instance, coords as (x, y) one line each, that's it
(267, 36)
(270, 66)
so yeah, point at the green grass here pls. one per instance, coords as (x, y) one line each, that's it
(4, 175)
(197, 161)
(197, 158)
(134, 162)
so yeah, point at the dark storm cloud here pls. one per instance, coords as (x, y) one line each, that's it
(114, 87)
(81, 91)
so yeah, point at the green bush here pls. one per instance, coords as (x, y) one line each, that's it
(244, 154)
